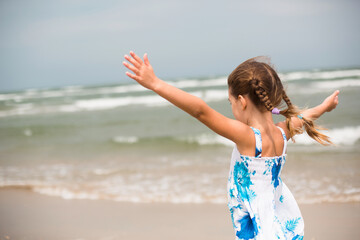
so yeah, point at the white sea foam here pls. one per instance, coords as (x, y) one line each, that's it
(319, 74)
(104, 171)
(85, 105)
(186, 186)
(123, 139)
(191, 83)
(28, 132)
(153, 192)
(340, 136)
(109, 103)
(215, 95)
(96, 104)
(103, 103)
(66, 193)
(70, 91)
(336, 84)
(208, 139)
(325, 86)
(77, 91)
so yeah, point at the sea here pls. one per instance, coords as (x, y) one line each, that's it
(122, 142)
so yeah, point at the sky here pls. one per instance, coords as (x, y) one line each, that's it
(48, 43)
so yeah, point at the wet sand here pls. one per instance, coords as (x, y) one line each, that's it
(28, 215)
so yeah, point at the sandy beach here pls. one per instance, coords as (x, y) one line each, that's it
(28, 215)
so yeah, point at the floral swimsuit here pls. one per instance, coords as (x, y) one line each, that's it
(261, 205)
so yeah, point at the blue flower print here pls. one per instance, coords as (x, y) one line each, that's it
(232, 192)
(291, 224)
(248, 229)
(241, 175)
(232, 216)
(275, 172)
(268, 164)
(297, 237)
(258, 147)
(281, 199)
(251, 195)
(242, 181)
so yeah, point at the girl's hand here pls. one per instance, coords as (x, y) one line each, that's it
(331, 101)
(143, 71)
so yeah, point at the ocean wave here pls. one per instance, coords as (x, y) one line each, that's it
(182, 195)
(70, 91)
(194, 83)
(171, 183)
(96, 104)
(135, 188)
(84, 105)
(109, 103)
(324, 86)
(123, 139)
(347, 136)
(336, 84)
(207, 139)
(301, 75)
(340, 136)
(201, 140)
(79, 98)
(42, 93)
(80, 91)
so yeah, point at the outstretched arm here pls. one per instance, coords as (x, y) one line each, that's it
(327, 105)
(143, 73)
(314, 113)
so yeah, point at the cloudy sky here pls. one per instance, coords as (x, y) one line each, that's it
(48, 43)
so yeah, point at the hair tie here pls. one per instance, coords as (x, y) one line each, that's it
(275, 111)
(300, 116)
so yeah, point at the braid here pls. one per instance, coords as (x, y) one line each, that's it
(264, 87)
(261, 94)
(286, 99)
(290, 112)
(310, 127)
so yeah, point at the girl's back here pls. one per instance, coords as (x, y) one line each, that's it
(272, 142)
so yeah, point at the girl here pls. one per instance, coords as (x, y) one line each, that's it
(261, 205)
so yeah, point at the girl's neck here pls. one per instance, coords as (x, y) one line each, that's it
(259, 120)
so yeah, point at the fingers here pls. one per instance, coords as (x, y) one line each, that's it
(137, 66)
(132, 68)
(146, 59)
(132, 61)
(138, 59)
(336, 100)
(136, 78)
(336, 97)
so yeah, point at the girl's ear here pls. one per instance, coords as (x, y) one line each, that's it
(242, 101)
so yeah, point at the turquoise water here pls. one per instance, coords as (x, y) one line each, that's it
(124, 143)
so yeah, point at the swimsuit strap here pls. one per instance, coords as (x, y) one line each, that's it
(285, 139)
(258, 146)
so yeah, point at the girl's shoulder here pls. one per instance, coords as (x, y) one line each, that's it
(246, 143)
(283, 126)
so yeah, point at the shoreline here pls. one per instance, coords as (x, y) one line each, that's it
(28, 215)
